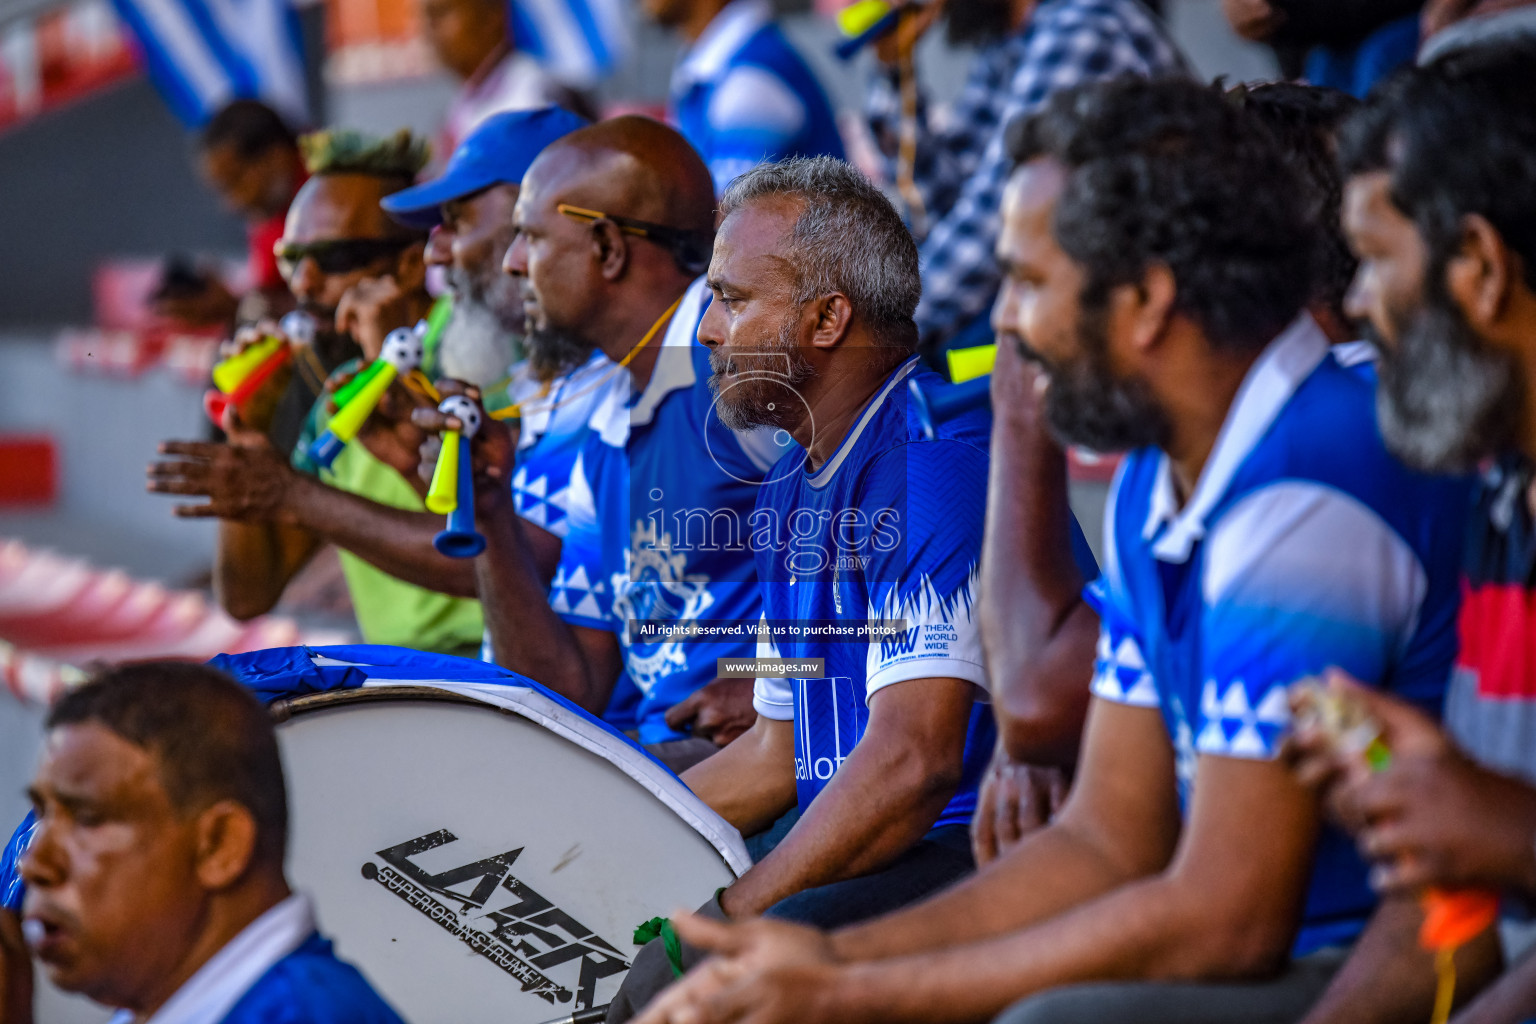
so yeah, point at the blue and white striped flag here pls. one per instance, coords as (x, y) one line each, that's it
(203, 53)
(577, 41)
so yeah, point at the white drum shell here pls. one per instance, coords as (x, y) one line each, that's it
(611, 839)
(587, 847)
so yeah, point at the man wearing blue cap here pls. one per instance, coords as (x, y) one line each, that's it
(557, 383)
(377, 516)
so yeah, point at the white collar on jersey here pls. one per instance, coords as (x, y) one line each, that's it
(543, 404)
(728, 32)
(824, 475)
(673, 372)
(1270, 383)
(211, 992)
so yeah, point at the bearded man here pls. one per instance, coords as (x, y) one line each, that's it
(1438, 206)
(1186, 878)
(369, 503)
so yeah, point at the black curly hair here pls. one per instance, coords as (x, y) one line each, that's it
(1168, 171)
(1305, 120)
(1457, 137)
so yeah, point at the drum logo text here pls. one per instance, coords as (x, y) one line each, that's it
(548, 951)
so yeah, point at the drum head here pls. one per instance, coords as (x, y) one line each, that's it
(475, 865)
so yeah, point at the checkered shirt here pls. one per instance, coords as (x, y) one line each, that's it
(963, 165)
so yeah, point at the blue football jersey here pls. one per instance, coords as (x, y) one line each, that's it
(311, 986)
(742, 96)
(551, 429)
(308, 986)
(888, 529)
(1304, 545)
(660, 498)
(553, 426)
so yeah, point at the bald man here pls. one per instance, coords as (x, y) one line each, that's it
(615, 224)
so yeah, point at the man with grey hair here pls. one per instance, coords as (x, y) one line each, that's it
(880, 737)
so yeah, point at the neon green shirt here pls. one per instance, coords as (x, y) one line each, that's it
(390, 610)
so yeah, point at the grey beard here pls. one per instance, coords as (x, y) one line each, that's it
(476, 345)
(750, 397)
(1444, 401)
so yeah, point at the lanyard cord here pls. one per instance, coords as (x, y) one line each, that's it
(516, 409)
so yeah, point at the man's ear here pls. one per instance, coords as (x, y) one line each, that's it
(1146, 307)
(833, 313)
(610, 249)
(226, 844)
(411, 268)
(1478, 276)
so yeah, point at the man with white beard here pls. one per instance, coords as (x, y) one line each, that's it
(470, 205)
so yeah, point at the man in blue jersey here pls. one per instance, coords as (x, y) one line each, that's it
(614, 227)
(881, 744)
(1244, 547)
(154, 878)
(1439, 201)
(741, 94)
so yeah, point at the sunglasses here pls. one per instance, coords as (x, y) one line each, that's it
(337, 255)
(689, 251)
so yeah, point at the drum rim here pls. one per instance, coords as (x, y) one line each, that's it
(633, 760)
(285, 708)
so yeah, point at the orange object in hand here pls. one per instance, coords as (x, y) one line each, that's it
(1453, 917)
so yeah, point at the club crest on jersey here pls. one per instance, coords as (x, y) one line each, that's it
(655, 585)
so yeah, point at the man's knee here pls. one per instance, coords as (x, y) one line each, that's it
(1075, 1004)
(649, 973)
(919, 873)
(652, 969)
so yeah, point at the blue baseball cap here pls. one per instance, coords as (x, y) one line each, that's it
(497, 152)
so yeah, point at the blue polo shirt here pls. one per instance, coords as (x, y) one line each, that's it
(660, 500)
(888, 529)
(553, 426)
(1304, 545)
(742, 96)
(311, 986)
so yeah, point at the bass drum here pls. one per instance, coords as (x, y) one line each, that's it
(483, 852)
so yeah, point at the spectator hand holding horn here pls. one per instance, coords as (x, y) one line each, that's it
(493, 450)
(1431, 817)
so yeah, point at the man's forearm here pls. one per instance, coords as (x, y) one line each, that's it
(1038, 633)
(1002, 897)
(253, 563)
(881, 801)
(395, 540)
(526, 634)
(1154, 930)
(1509, 1000)
(1390, 978)
(750, 783)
